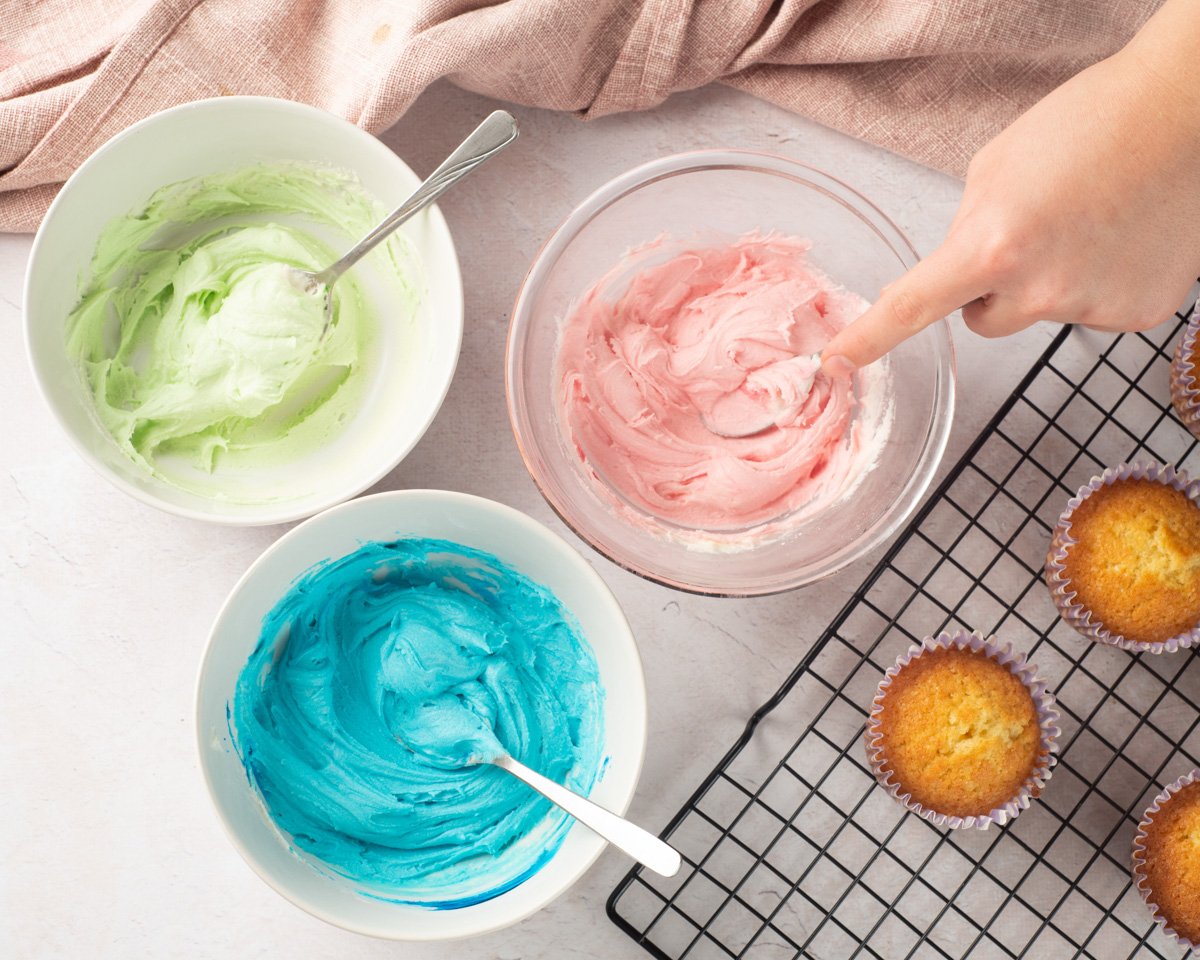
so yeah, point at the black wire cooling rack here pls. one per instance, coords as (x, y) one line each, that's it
(790, 848)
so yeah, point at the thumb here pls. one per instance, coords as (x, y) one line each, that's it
(934, 288)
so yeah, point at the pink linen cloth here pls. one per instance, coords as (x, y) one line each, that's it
(929, 79)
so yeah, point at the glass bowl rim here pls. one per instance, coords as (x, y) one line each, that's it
(937, 434)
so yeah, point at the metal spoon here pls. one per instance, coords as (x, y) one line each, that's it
(451, 735)
(737, 415)
(488, 139)
(643, 846)
(734, 427)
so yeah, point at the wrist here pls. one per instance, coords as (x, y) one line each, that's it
(1160, 63)
(1152, 95)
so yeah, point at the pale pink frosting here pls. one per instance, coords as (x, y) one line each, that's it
(665, 349)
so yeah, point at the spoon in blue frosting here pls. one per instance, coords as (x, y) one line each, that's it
(451, 735)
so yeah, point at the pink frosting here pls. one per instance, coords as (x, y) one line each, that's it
(698, 346)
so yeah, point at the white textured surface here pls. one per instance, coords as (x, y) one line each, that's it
(108, 847)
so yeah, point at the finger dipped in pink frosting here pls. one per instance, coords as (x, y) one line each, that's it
(695, 392)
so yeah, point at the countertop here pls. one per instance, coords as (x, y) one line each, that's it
(108, 844)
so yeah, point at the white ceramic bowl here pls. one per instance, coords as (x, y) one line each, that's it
(410, 378)
(475, 522)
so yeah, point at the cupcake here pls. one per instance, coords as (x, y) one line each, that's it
(1124, 563)
(1185, 388)
(1166, 859)
(962, 731)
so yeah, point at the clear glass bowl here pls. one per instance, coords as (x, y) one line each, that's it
(703, 196)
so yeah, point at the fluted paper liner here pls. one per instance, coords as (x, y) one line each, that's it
(1047, 713)
(1061, 590)
(1185, 390)
(1138, 863)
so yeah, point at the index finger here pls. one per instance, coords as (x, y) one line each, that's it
(934, 288)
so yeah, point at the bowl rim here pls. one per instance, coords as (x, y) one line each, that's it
(635, 685)
(263, 514)
(761, 162)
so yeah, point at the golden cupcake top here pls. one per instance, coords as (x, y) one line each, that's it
(1172, 861)
(1136, 566)
(960, 732)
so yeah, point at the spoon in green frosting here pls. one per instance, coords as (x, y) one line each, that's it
(449, 734)
(488, 139)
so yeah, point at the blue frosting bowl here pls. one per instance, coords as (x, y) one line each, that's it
(318, 873)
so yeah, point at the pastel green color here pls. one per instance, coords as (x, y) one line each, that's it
(198, 349)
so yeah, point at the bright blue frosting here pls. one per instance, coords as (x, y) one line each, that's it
(377, 677)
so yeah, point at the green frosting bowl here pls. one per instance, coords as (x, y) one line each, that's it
(198, 459)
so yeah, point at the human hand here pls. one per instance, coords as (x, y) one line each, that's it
(1085, 210)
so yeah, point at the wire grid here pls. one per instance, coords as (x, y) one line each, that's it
(790, 848)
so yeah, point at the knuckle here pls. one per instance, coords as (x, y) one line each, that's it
(1132, 318)
(1098, 318)
(991, 328)
(998, 255)
(1147, 320)
(1044, 303)
(974, 313)
(906, 310)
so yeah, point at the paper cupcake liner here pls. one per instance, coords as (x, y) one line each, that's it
(1138, 861)
(1047, 713)
(1061, 590)
(1185, 391)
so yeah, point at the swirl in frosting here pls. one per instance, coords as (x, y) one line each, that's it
(203, 356)
(377, 682)
(690, 383)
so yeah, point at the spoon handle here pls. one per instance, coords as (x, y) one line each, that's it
(488, 139)
(640, 844)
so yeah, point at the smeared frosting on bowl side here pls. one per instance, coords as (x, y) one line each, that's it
(197, 347)
(377, 677)
(690, 386)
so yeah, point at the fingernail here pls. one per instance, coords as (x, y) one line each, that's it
(838, 366)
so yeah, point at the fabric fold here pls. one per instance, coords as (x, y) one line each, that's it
(929, 79)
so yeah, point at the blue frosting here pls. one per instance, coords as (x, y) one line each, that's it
(378, 678)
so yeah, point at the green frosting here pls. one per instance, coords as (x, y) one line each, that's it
(199, 350)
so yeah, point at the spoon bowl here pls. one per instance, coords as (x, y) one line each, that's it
(457, 730)
(770, 397)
